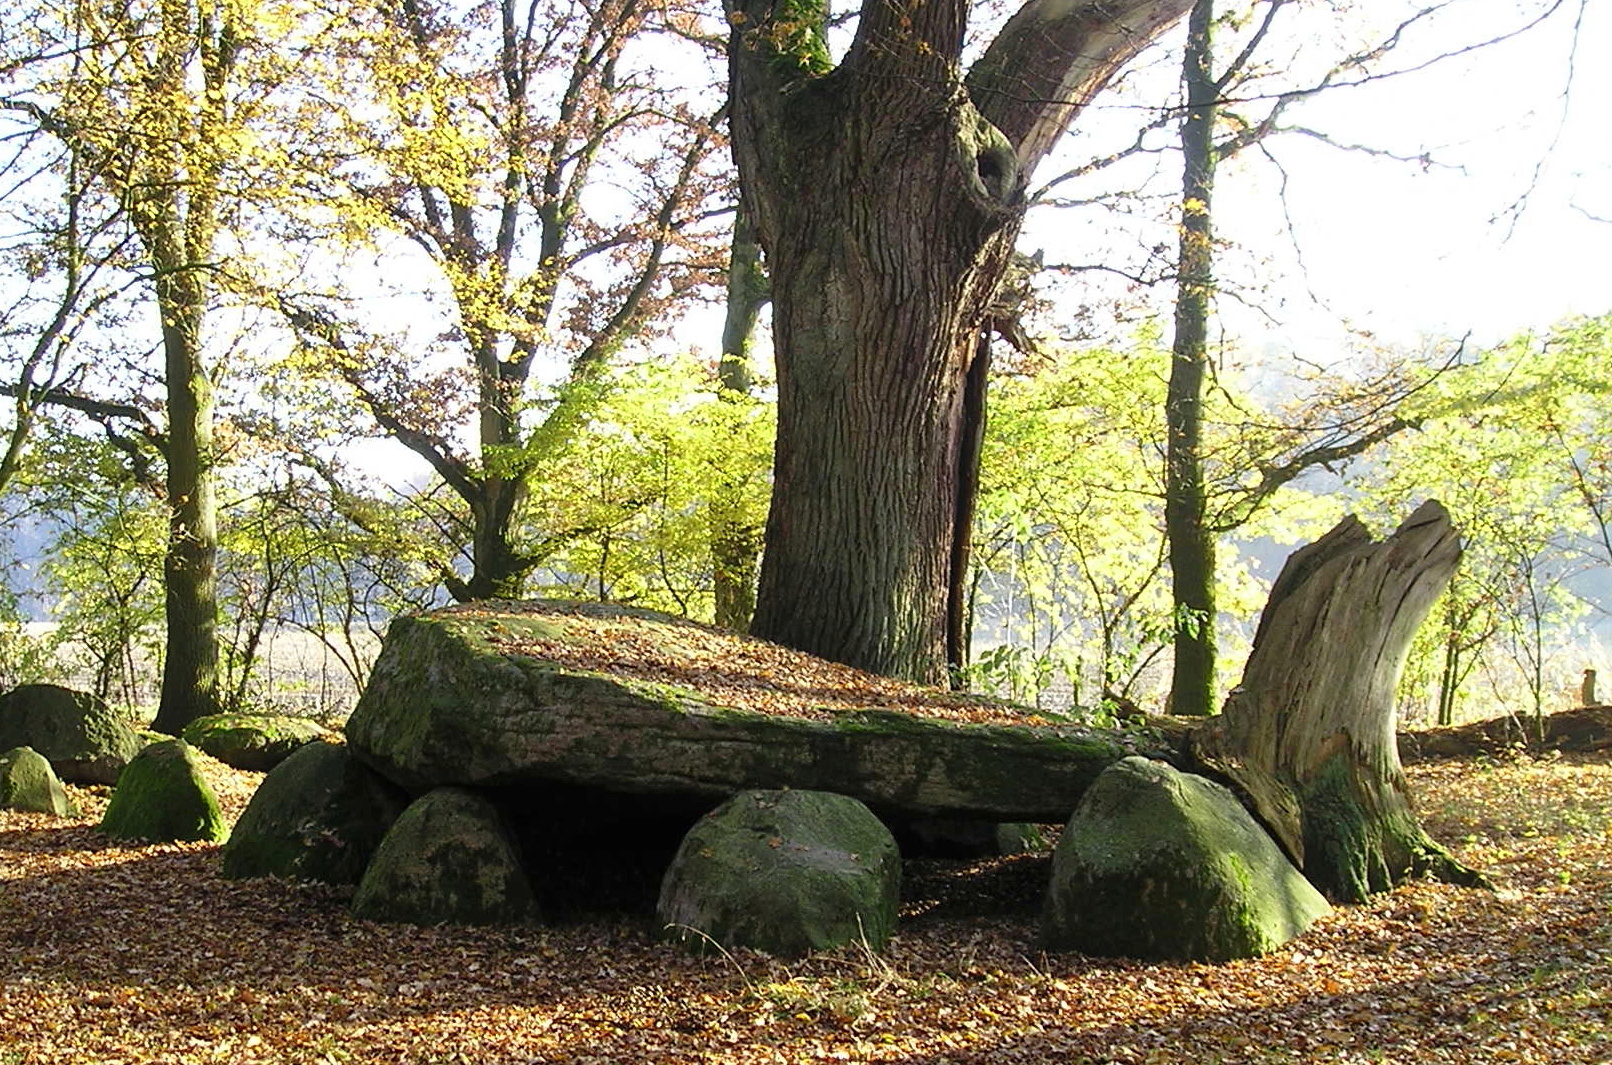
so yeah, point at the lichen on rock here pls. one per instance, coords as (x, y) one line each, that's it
(449, 859)
(28, 784)
(255, 742)
(85, 740)
(319, 815)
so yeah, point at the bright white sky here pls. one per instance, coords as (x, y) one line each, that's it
(1499, 246)
(1478, 243)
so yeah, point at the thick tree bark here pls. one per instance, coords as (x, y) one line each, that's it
(888, 194)
(498, 570)
(1192, 542)
(1309, 734)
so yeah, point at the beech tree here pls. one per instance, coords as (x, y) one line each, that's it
(887, 190)
(157, 101)
(558, 193)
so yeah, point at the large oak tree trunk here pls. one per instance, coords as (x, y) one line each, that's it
(887, 194)
(1309, 734)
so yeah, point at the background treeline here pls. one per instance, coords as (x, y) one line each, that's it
(310, 317)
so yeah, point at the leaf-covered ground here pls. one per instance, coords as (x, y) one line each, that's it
(112, 953)
(721, 667)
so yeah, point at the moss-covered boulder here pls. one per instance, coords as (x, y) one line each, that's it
(162, 797)
(318, 815)
(785, 872)
(449, 859)
(27, 783)
(256, 742)
(86, 742)
(1162, 865)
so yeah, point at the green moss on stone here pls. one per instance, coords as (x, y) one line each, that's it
(319, 815)
(27, 783)
(86, 742)
(255, 742)
(786, 872)
(448, 859)
(1161, 865)
(162, 796)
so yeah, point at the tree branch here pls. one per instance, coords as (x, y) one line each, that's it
(1052, 57)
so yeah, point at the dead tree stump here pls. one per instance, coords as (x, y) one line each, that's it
(1309, 734)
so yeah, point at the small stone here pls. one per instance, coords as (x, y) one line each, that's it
(162, 797)
(28, 784)
(254, 742)
(449, 859)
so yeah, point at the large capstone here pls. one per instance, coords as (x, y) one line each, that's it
(86, 742)
(256, 742)
(1161, 865)
(28, 784)
(784, 872)
(318, 815)
(449, 859)
(506, 695)
(162, 797)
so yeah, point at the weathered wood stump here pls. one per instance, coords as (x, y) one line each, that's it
(1309, 734)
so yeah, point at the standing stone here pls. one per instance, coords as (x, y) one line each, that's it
(163, 797)
(28, 784)
(86, 742)
(1162, 865)
(319, 815)
(449, 859)
(784, 872)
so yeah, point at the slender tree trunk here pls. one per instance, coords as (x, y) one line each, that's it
(1192, 542)
(1309, 733)
(735, 542)
(971, 448)
(190, 683)
(498, 570)
(1448, 677)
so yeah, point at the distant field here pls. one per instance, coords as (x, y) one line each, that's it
(297, 672)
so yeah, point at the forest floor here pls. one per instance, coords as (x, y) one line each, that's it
(111, 953)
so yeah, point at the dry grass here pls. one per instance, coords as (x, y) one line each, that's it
(112, 953)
